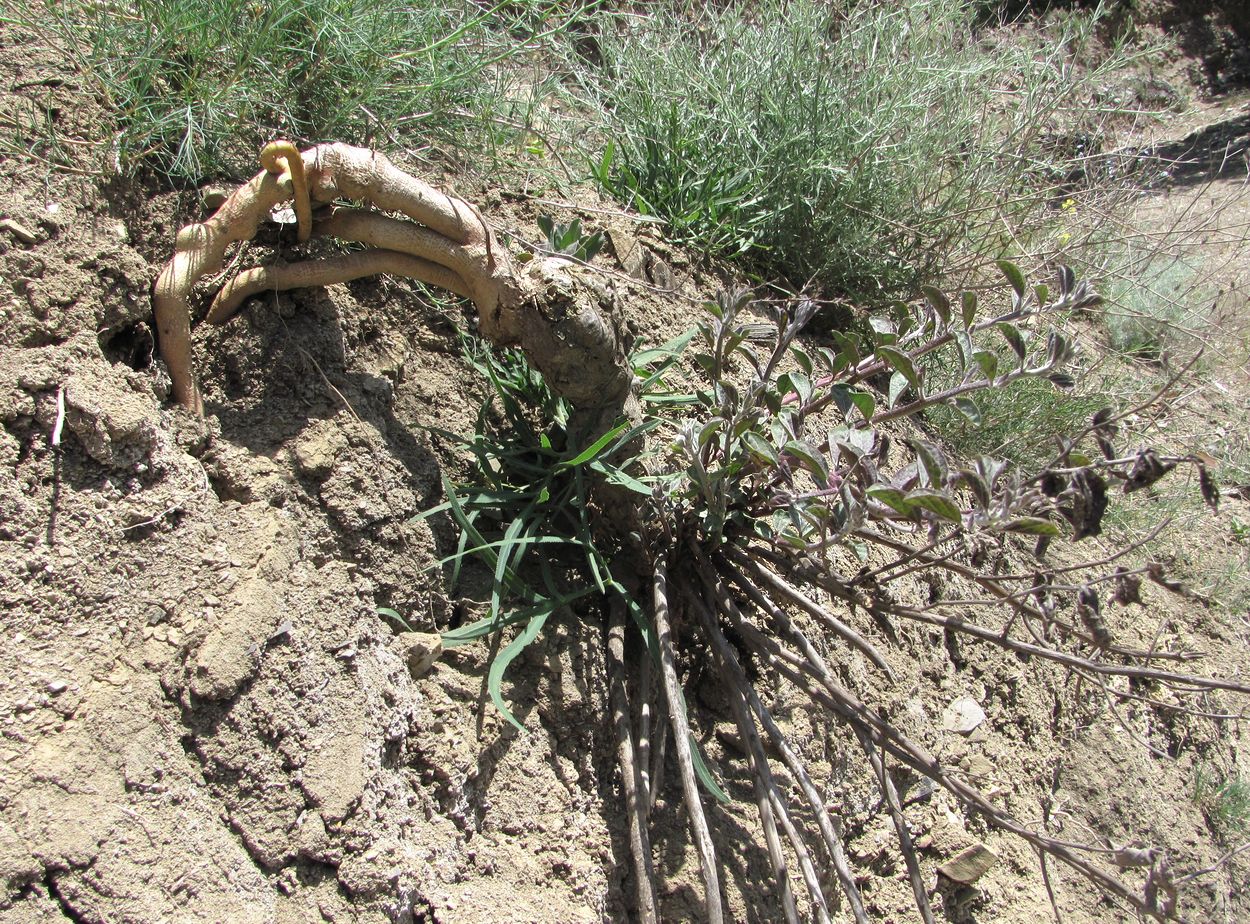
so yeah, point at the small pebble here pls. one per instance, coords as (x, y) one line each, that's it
(57, 687)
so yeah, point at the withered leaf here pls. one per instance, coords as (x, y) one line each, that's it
(1127, 587)
(1134, 857)
(1103, 423)
(1090, 611)
(1040, 592)
(1104, 445)
(1160, 892)
(1154, 570)
(1052, 483)
(1210, 490)
(1147, 469)
(1084, 503)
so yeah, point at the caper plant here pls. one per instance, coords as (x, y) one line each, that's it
(782, 501)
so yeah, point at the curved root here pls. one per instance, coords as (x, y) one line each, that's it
(283, 158)
(443, 241)
(325, 272)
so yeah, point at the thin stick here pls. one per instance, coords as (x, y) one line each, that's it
(658, 754)
(843, 704)
(631, 783)
(833, 842)
(762, 777)
(60, 417)
(783, 589)
(810, 878)
(1006, 597)
(956, 624)
(681, 739)
(1214, 866)
(890, 793)
(644, 730)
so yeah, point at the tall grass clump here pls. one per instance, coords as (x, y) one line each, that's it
(1158, 301)
(195, 86)
(858, 145)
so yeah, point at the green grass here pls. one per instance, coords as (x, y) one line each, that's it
(860, 145)
(1225, 800)
(196, 86)
(1156, 302)
(1018, 423)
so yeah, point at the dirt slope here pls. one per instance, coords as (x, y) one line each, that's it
(202, 717)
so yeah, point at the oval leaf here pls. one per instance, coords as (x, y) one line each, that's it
(937, 503)
(1033, 526)
(938, 300)
(1014, 276)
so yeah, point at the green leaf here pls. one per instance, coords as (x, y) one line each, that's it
(939, 302)
(988, 363)
(936, 502)
(801, 385)
(494, 678)
(1013, 337)
(902, 363)
(846, 398)
(883, 330)
(761, 448)
(969, 308)
(812, 460)
(621, 477)
(865, 403)
(705, 775)
(710, 429)
(969, 409)
(933, 461)
(891, 497)
(1014, 276)
(514, 530)
(857, 441)
(464, 635)
(670, 350)
(978, 485)
(1034, 526)
(593, 449)
(394, 616)
(804, 361)
(966, 350)
(898, 385)
(524, 541)
(468, 530)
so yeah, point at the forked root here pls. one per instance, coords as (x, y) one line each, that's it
(556, 318)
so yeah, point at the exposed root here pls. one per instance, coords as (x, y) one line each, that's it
(328, 271)
(681, 742)
(283, 158)
(444, 242)
(766, 795)
(631, 779)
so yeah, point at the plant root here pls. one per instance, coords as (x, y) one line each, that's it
(441, 240)
(681, 742)
(631, 778)
(283, 159)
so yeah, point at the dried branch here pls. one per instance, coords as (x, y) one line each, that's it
(681, 740)
(631, 782)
